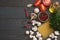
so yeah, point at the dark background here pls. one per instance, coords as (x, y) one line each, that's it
(12, 19)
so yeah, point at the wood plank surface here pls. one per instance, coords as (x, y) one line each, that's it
(12, 19)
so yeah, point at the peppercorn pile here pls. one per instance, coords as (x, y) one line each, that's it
(40, 16)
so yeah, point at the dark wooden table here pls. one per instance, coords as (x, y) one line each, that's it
(12, 19)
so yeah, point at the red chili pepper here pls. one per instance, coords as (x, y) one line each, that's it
(27, 26)
(43, 17)
(26, 11)
(37, 2)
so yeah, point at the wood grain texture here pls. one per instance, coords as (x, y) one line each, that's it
(12, 19)
(14, 3)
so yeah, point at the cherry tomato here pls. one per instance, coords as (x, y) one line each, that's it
(47, 2)
(37, 2)
(42, 8)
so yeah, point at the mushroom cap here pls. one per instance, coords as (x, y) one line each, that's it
(56, 37)
(36, 10)
(52, 35)
(35, 38)
(40, 38)
(38, 35)
(34, 28)
(57, 33)
(31, 36)
(27, 32)
(31, 32)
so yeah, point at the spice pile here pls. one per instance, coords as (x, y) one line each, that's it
(41, 16)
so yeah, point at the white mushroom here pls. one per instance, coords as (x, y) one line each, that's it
(38, 34)
(52, 35)
(36, 10)
(57, 33)
(31, 36)
(48, 38)
(56, 37)
(34, 28)
(34, 38)
(31, 32)
(38, 23)
(40, 38)
(29, 5)
(27, 32)
(33, 16)
(33, 22)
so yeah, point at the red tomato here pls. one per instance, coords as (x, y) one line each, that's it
(42, 8)
(37, 2)
(46, 2)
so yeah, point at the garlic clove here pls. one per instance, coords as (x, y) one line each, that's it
(29, 5)
(33, 21)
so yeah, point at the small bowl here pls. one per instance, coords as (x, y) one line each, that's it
(40, 15)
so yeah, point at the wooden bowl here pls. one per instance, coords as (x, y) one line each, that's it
(45, 13)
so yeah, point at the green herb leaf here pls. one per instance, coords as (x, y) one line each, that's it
(55, 20)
